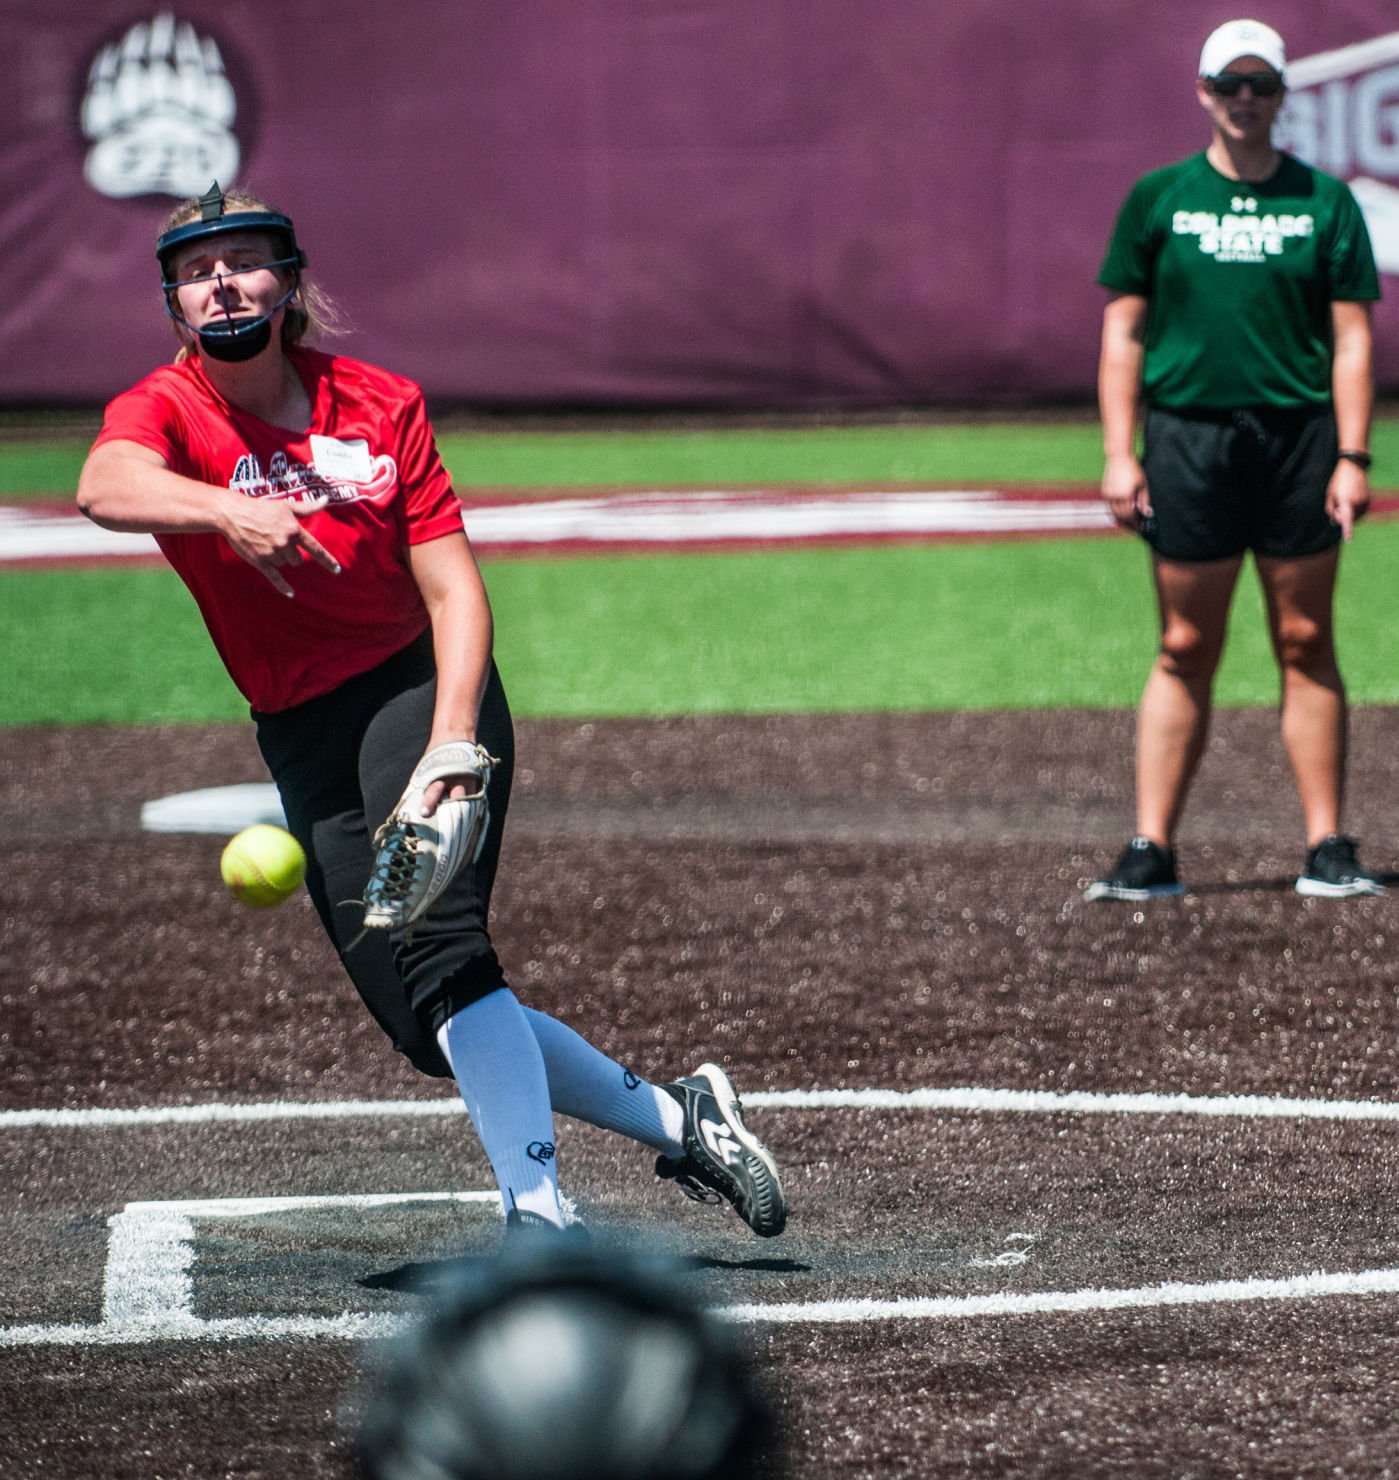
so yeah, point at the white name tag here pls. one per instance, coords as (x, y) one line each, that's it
(347, 460)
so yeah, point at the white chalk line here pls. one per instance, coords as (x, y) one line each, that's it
(256, 1207)
(148, 1286)
(968, 1099)
(148, 1291)
(1053, 1302)
(352, 1326)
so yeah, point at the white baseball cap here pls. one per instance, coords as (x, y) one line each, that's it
(1235, 39)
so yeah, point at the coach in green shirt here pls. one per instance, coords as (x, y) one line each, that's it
(1239, 322)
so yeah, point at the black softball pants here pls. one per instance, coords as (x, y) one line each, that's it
(340, 762)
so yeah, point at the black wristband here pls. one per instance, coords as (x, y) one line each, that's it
(1360, 459)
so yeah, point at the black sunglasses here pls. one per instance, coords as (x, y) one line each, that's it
(1263, 84)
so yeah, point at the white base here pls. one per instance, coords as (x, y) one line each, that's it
(224, 810)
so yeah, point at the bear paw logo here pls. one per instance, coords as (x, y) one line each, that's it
(159, 110)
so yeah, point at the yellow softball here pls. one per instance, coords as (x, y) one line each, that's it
(262, 866)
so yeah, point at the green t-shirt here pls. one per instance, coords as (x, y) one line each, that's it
(1240, 278)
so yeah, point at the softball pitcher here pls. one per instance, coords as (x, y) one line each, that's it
(300, 497)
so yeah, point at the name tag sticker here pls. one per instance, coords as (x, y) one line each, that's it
(346, 460)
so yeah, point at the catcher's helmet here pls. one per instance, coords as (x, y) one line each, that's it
(233, 338)
(556, 1362)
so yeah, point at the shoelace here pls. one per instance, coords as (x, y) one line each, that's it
(696, 1190)
(685, 1176)
(395, 866)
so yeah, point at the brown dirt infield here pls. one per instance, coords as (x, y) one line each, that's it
(886, 902)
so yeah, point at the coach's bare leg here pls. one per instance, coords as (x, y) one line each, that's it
(1299, 595)
(1173, 719)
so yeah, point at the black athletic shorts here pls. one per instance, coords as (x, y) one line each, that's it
(1222, 482)
(340, 763)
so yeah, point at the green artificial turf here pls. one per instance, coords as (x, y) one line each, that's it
(47, 469)
(995, 453)
(979, 454)
(937, 626)
(1054, 623)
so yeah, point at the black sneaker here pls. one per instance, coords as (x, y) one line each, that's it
(723, 1158)
(1334, 872)
(1144, 870)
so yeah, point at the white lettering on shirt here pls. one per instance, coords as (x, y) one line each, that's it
(366, 479)
(1238, 236)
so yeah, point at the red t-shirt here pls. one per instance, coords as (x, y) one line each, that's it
(371, 449)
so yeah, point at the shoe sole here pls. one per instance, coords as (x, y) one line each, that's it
(1319, 889)
(1133, 896)
(726, 1097)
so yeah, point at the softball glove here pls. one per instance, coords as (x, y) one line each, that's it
(416, 857)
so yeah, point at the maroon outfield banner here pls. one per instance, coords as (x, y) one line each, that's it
(644, 202)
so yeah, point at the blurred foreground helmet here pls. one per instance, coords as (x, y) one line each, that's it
(555, 1362)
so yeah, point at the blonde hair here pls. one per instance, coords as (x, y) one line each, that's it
(309, 316)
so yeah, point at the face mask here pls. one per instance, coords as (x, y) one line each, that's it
(233, 341)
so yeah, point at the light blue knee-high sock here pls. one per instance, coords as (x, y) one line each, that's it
(586, 1084)
(499, 1069)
